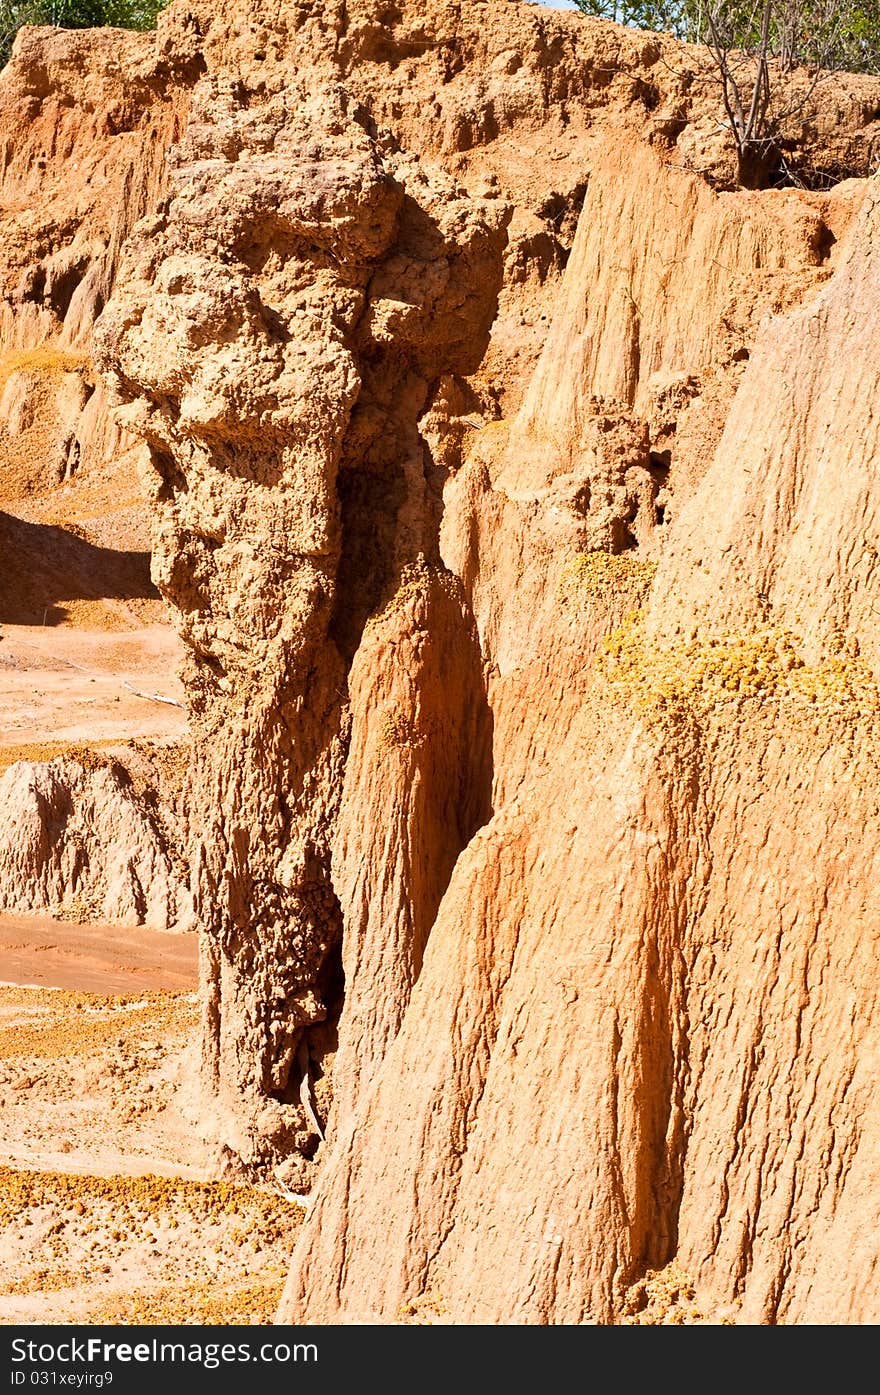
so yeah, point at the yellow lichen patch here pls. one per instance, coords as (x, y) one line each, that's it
(216, 1304)
(605, 577)
(47, 360)
(700, 676)
(76, 1024)
(663, 1297)
(428, 1310)
(22, 1191)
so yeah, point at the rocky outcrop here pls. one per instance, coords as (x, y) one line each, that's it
(493, 460)
(658, 311)
(420, 746)
(279, 331)
(87, 120)
(794, 528)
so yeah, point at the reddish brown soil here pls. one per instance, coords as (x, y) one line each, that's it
(48, 953)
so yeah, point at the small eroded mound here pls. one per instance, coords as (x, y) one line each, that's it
(81, 838)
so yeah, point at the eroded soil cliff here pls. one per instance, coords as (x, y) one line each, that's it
(512, 481)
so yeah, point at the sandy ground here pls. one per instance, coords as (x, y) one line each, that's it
(110, 1208)
(61, 686)
(39, 951)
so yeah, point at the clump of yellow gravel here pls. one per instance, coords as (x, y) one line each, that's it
(415, 583)
(210, 1304)
(39, 751)
(665, 1298)
(141, 1196)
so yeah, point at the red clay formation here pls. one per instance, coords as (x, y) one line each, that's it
(511, 478)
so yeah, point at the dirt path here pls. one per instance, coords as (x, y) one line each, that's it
(36, 950)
